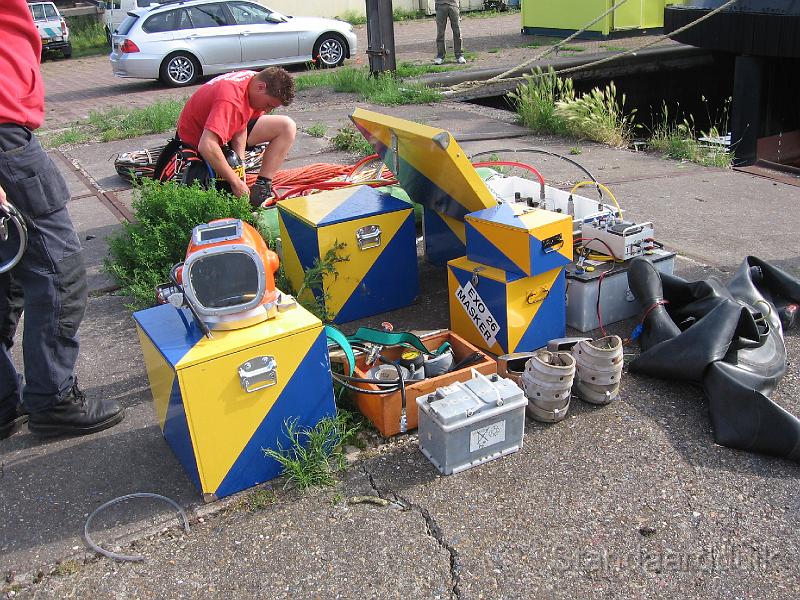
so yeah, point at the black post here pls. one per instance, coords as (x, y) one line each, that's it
(747, 108)
(380, 36)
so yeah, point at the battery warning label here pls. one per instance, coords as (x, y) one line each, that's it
(487, 436)
(477, 310)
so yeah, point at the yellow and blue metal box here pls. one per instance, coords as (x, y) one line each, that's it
(376, 268)
(434, 171)
(516, 237)
(505, 311)
(220, 402)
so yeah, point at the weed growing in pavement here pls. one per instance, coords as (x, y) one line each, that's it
(535, 101)
(352, 17)
(680, 140)
(399, 14)
(317, 130)
(313, 292)
(575, 151)
(571, 49)
(599, 116)
(349, 139)
(143, 253)
(493, 50)
(121, 124)
(613, 48)
(314, 454)
(66, 567)
(385, 89)
(260, 499)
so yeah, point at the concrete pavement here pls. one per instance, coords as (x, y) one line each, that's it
(629, 500)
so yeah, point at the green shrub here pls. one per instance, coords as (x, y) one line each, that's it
(535, 101)
(314, 454)
(143, 253)
(598, 116)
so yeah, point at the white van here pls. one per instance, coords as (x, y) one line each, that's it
(116, 11)
(52, 29)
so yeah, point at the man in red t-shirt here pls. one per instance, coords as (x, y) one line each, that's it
(50, 276)
(230, 109)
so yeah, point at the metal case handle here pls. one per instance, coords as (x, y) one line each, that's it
(258, 373)
(368, 237)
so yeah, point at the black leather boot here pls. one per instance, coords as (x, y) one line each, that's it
(11, 425)
(76, 415)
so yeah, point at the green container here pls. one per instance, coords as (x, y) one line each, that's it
(545, 17)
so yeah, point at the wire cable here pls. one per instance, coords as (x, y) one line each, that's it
(599, 186)
(536, 151)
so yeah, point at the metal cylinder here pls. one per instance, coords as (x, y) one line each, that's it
(547, 382)
(598, 369)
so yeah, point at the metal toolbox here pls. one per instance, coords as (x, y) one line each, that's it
(518, 238)
(616, 302)
(377, 257)
(220, 402)
(504, 311)
(467, 424)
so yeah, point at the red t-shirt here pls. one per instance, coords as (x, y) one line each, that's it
(220, 105)
(21, 89)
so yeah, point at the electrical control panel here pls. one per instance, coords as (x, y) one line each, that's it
(622, 239)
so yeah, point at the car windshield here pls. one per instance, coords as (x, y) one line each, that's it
(50, 12)
(42, 12)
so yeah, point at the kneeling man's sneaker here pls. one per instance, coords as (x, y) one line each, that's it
(461, 60)
(76, 415)
(261, 193)
(12, 424)
(438, 60)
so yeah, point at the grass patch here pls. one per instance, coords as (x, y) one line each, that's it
(88, 39)
(314, 454)
(575, 151)
(386, 89)
(66, 567)
(317, 130)
(535, 101)
(399, 14)
(571, 49)
(349, 139)
(260, 499)
(493, 50)
(142, 254)
(120, 124)
(680, 140)
(613, 48)
(599, 116)
(353, 18)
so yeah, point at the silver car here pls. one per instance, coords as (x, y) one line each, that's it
(178, 41)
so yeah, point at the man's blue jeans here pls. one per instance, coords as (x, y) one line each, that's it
(50, 277)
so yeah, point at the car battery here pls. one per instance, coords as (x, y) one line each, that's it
(466, 424)
(221, 401)
(504, 311)
(603, 292)
(518, 238)
(370, 236)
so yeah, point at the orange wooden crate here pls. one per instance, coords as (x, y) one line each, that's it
(384, 411)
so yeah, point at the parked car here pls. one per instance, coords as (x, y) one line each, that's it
(180, 40)
(115, 11)
(52, 29)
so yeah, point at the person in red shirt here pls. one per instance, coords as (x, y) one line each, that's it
(49, 281)
(230, 110)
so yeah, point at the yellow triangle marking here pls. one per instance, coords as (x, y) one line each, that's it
(222, 417)
(546, 226)
(513, 243)
(520, 312)
(460, 322)
(160, 375)
(314, 208)
(456, 226)
(351, 273)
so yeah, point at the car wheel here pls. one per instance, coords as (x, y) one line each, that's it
(329, 51)
(180, 69)
(68, 51)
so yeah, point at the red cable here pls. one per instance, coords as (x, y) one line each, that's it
(511, 163)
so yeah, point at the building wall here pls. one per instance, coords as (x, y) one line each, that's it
(335, 8)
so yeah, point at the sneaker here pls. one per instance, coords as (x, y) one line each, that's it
(261, 193)
(11, 426)
(461, 60)
(438, 60)
(75, 415)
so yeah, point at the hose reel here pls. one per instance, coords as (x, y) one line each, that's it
(9, 213)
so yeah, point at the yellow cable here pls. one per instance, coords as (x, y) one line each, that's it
(580, 184)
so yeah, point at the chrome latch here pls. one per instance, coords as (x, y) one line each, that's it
(258, 373)
(368, 237)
